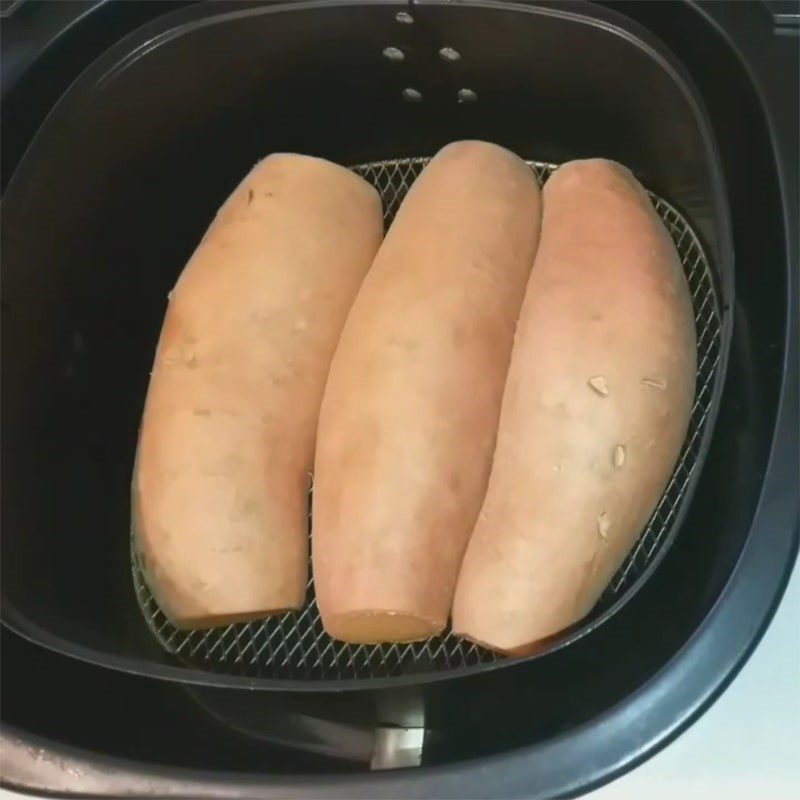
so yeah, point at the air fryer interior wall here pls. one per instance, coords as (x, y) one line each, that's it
(127, 172)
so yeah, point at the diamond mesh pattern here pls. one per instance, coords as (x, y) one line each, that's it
(295, 646)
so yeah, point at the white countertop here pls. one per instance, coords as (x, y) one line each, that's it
(747, 745)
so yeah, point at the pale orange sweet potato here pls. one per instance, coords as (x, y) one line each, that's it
(595, 410)
(410, 412)
(227, 437)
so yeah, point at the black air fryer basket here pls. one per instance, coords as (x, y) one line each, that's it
(126, 173)
(102, 208)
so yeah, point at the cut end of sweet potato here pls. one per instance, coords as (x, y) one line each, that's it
(375, 627)
(208, 621)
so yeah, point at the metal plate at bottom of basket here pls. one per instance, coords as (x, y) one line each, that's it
(294, 646)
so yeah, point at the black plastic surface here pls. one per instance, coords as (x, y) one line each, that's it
(45, 46)
(562, 725)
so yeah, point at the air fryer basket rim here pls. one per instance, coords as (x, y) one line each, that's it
(185, 19)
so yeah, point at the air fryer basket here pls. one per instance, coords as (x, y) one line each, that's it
(295, 645)
(119, 184)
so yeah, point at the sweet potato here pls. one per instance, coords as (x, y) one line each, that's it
(596, 407)
(410, 412)
(227, 437)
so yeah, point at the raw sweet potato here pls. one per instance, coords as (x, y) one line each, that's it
(595, 409)
(227, 437)
(410, 412)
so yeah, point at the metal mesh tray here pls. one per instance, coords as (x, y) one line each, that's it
(295, 646)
